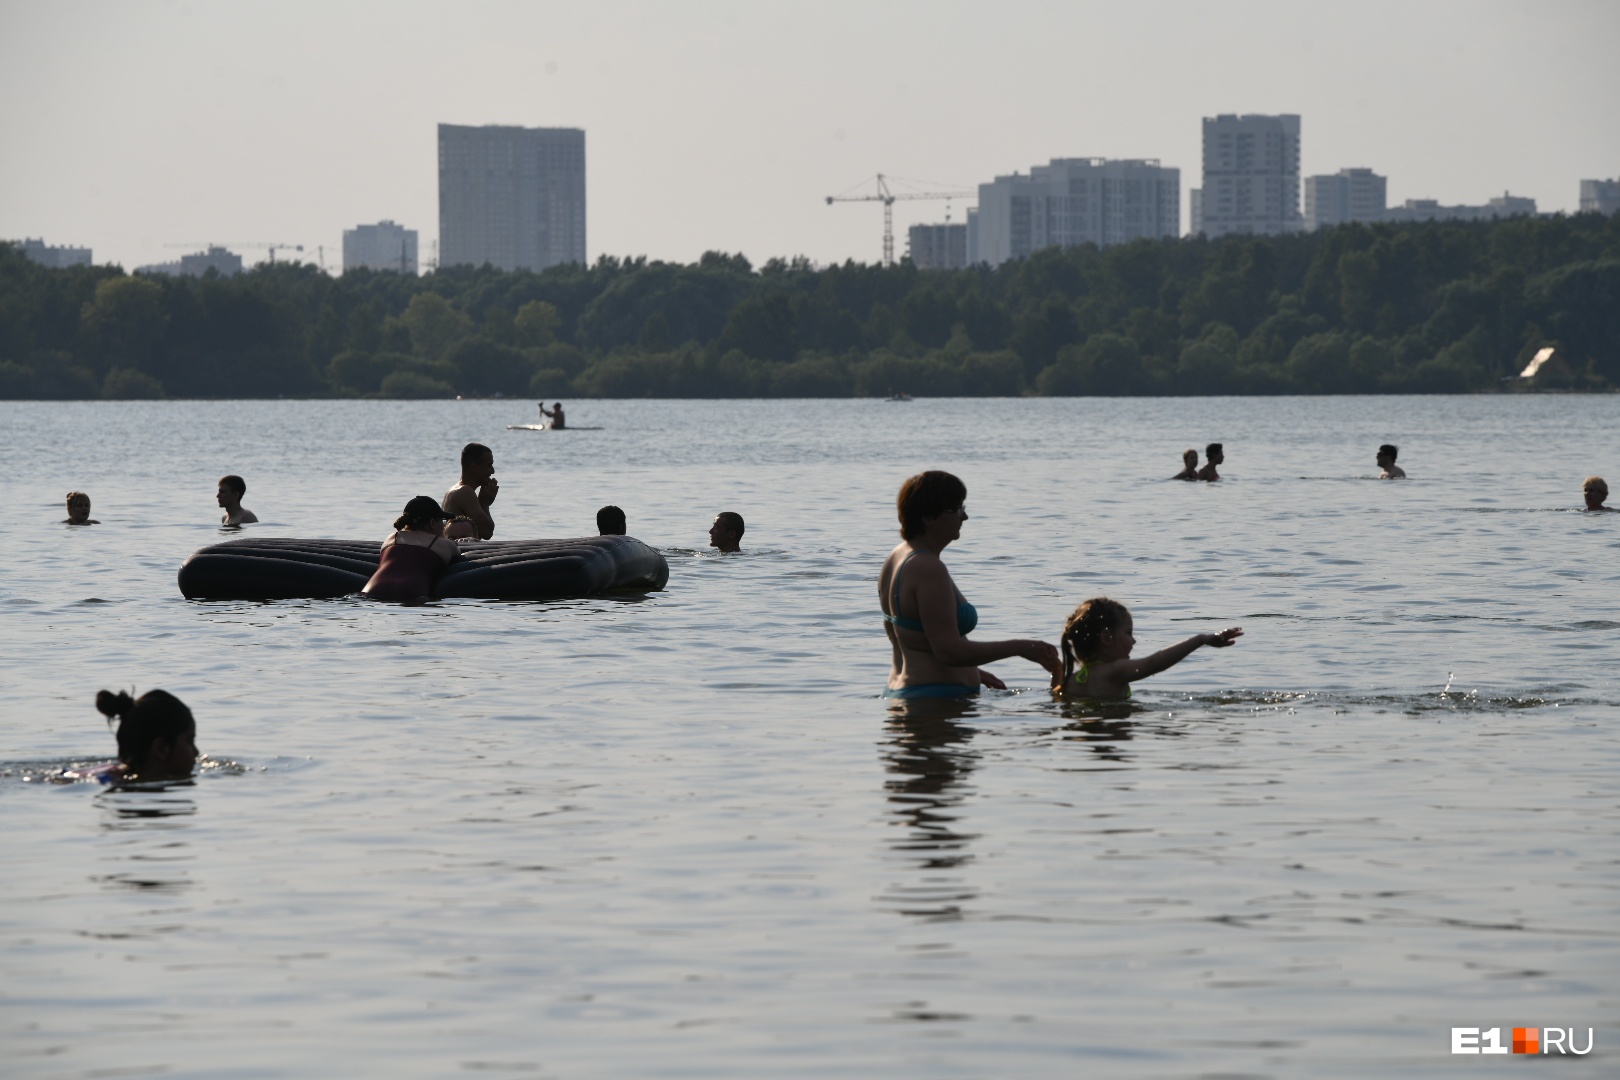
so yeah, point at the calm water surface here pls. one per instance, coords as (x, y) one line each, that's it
(681, 835)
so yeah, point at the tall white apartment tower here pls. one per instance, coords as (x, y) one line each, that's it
(1072, 201)
(1348, 195)
(1251, 176)
(512, 197)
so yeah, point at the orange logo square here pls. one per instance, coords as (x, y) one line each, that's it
(1527, 1040)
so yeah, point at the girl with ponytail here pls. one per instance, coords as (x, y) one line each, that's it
(157, 736)
(1100, 636)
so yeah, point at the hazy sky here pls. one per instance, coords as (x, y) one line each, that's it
(130, 125)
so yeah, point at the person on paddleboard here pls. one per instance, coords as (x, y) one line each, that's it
(558, 422)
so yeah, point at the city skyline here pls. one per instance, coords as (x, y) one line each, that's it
(727, 131)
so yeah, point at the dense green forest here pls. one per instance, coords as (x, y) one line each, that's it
(1437, 307)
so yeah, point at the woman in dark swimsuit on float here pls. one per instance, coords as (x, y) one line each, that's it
(414, 555)
(926, 618)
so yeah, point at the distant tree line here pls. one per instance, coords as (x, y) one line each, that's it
(1423, 307)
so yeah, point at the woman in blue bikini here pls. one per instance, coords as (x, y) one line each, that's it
(923, 613)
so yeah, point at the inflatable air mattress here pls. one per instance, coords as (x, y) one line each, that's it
(280, 569)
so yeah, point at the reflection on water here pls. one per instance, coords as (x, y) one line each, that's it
(1101, 730)
(144, 827)
(929, 762)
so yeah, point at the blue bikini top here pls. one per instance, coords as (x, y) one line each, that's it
(967, 616)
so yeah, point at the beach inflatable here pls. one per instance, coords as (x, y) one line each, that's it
(282, 569)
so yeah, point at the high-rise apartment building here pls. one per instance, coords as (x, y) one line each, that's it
(1251, 176)
(1348, 195)
(1073, 201)
(937, 247)
(511, 197)
(383, 246)
(1600, 196)
(53, 255)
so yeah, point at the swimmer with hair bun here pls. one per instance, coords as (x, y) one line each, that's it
(157, 736)
(1100, 635)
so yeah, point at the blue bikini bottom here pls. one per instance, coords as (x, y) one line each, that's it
(932, 690)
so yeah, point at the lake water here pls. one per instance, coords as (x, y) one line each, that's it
(682, 836)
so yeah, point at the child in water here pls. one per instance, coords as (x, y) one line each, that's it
(78, 509)
(1099, 634)
(157, 737)
(414, 555)
(461, 528)
(1596, 492)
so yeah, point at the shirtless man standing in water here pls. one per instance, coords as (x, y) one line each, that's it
(229, 497)
(1386, 462)
(476, 489)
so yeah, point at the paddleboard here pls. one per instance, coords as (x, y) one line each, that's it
(547, 427)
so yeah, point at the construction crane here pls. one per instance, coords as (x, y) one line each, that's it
(888, 198)
(271, 246)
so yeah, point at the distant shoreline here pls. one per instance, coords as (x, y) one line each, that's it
(1423, 307)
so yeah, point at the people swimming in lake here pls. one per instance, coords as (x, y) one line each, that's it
(1595, 490)
(1214, 455)
(1189, 466)
(558, 421)
(610, 522)
(78, 509)
(1100, 636)
(157, 737)
(1386, 463)
(476, 490)
(414, 555)
(727, 532)
(925, 616)
(229, 496)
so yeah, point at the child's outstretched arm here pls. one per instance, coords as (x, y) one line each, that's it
(1129, 671)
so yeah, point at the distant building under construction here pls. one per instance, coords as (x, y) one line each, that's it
(511, 197)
